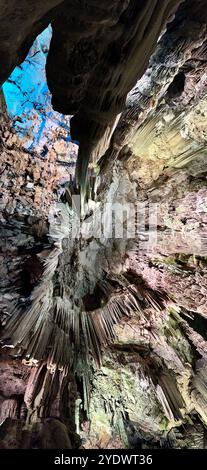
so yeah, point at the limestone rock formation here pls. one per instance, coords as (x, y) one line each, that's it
(104, 272)
(114, 37)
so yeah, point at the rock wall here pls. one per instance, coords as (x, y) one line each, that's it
(80, 313)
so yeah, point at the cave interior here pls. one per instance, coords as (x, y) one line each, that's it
(103, 209)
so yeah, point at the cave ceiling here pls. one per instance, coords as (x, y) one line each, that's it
(106, 101)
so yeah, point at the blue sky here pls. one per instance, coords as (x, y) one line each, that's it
(28, 98)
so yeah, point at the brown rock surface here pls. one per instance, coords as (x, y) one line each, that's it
(80, 314)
